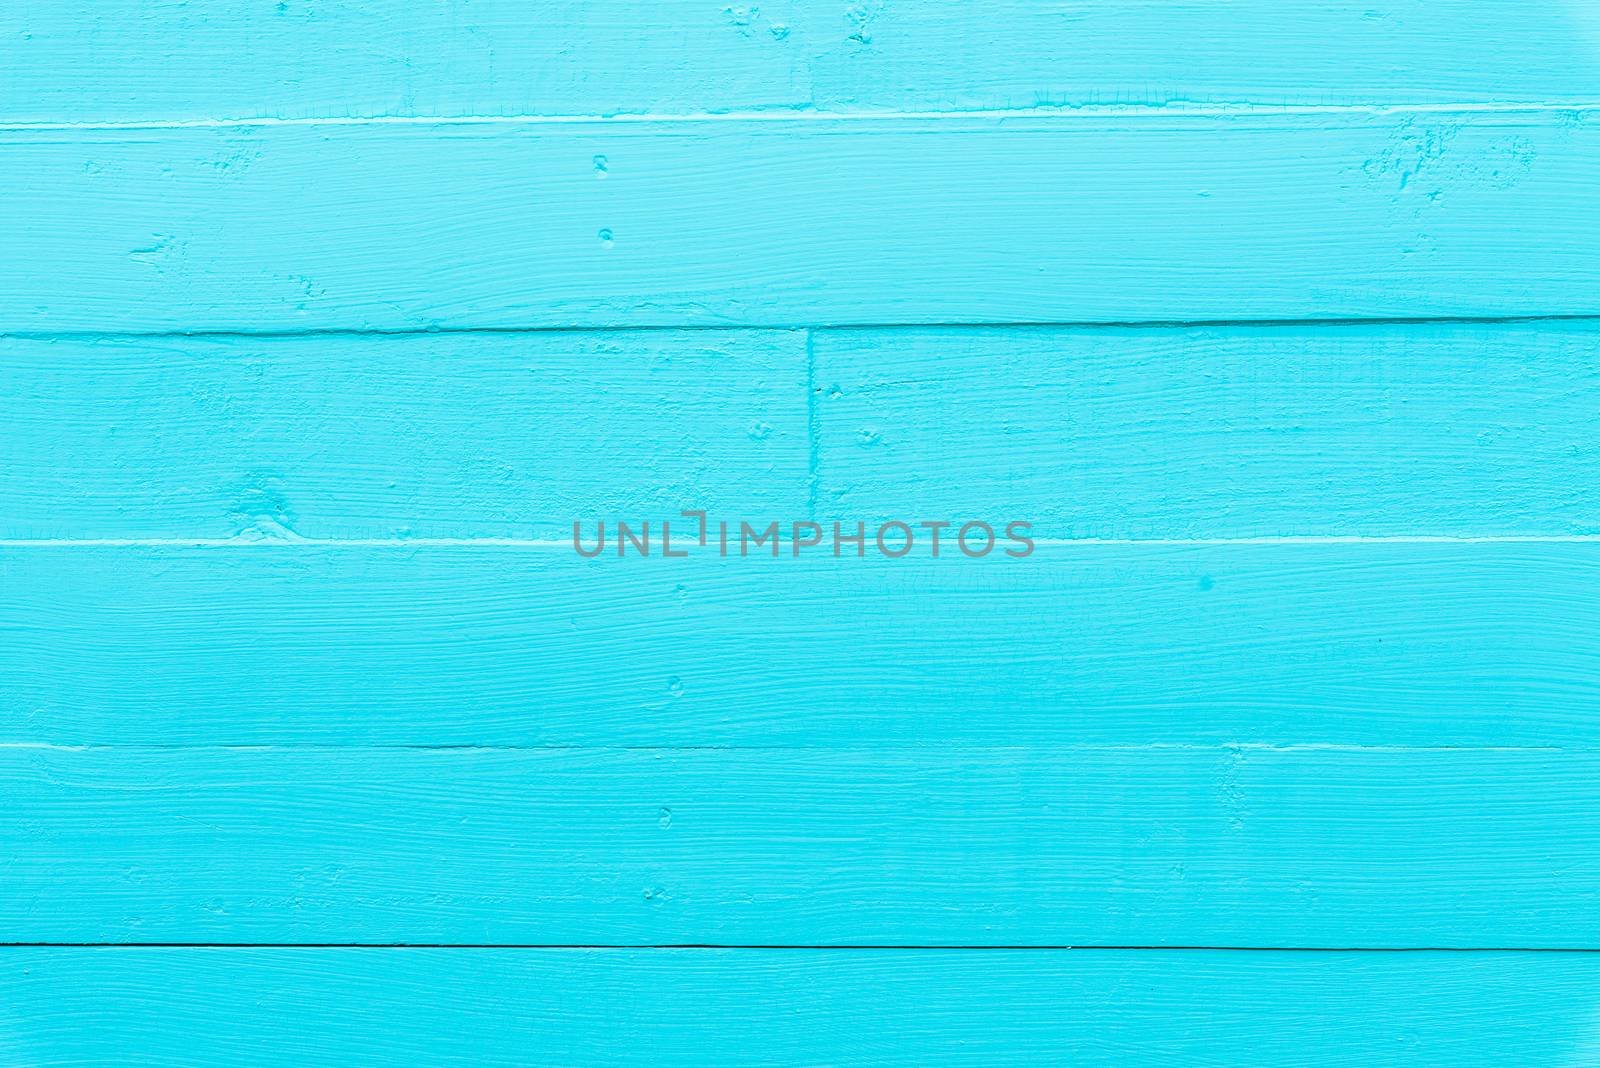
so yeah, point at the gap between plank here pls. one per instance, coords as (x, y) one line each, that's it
(799, 947)
(564, 544)
(812, 328)
(806, 113)
(877, 747)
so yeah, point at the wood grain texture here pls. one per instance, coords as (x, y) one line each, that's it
(1365, 643)
(465, 436)
(802, 222)
(1139, 433)
(77, 60)
(1236, 846)
(1438, 429)
(399, 278)
(249, 1007)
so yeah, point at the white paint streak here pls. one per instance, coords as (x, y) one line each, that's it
(566, 544)
(1065, 111)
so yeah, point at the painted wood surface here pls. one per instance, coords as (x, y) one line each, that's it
(1437, 429)
(938, 845)
(1399, 643)
(463, 436)
(1452, 429)
(756, 1007)
(803, 222)
(1313, 670)
(99, 60)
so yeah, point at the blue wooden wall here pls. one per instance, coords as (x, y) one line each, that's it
(321, 321)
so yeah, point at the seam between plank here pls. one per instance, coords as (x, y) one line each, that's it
(942, 748)
(812, 328)
(557, 543)
(800, 947)
(806, 114)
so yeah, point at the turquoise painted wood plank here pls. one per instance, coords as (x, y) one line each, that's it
(1440, 429)
(949, 54)
(250, 1007)
(73, 60)
(1355, 430)
(448, 435)
(1488, 643)
(94, 60)
(932, 845)
(807, 221)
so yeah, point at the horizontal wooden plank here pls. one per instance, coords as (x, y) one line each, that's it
(1365, 643)
(483, 435)
(808, 221)
(1238, 846)
(247, 1007)
(1441, 429)
(1219, 432)
(73, 60)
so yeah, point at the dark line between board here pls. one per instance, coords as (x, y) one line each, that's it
(971, 324)
(798, 947)
(813, 750)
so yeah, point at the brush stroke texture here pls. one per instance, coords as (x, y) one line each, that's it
(466, 436)
(1439, 429)
(1349, 744)
(1363, 643)
(809, 222)
(1222, 432)
(100, 60)
(1331, 848)
(246, 1007)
